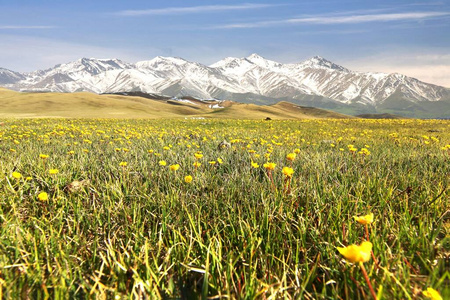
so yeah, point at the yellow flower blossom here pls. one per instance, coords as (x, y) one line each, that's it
(432, 293)
(123, 164)
(352, 148)
(355, 253)
(364, 151)
(291, 156)
(288, 172)
(53, 171)
(43, 196)
(255, 165)
(188, 179)
(162, 163)
(367, 219)
(174, 167)
(270, 166)
(16, 175)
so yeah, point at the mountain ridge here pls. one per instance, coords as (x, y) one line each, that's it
(252, 79)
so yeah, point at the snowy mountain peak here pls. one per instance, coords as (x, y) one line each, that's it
(83, 66)
(160, 61)
(169, 59)
(103, 64)
(231, 63)
(224, 62)
(255, 56)
(322, 63)
(262, 62)
(8, 76)
(245, 63)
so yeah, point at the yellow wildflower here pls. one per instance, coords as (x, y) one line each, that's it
(123, 164)
(174, 167)
(367, 219)
(432, 293)
(43, 196)
(53, 171)
(162, 163)
(364, 151)
(291, 156)
(255, 165)
(270, 166)
(355, 253)
(288, 172)
(16, 175)
(188, 179)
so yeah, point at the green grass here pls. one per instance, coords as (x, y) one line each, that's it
(140, 230)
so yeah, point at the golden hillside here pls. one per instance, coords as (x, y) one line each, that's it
(88, 105)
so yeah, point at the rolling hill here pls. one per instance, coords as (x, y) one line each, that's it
(90, 105)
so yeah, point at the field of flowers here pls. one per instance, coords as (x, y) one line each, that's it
(313, 209)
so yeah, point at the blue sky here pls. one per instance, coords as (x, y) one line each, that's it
(404, 36)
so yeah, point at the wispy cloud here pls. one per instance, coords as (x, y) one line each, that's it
(25, 27)
(191, 9)
(343, 19)
(28, 52)
(433, 67)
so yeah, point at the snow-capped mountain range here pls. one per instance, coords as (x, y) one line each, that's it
(250, 79)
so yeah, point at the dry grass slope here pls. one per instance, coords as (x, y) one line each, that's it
(89, 105)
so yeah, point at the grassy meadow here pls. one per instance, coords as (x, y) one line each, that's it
(97, 208)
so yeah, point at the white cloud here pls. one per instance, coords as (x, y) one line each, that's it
(431, 67)
(190, 10)
(28, 53)
(342, 19)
